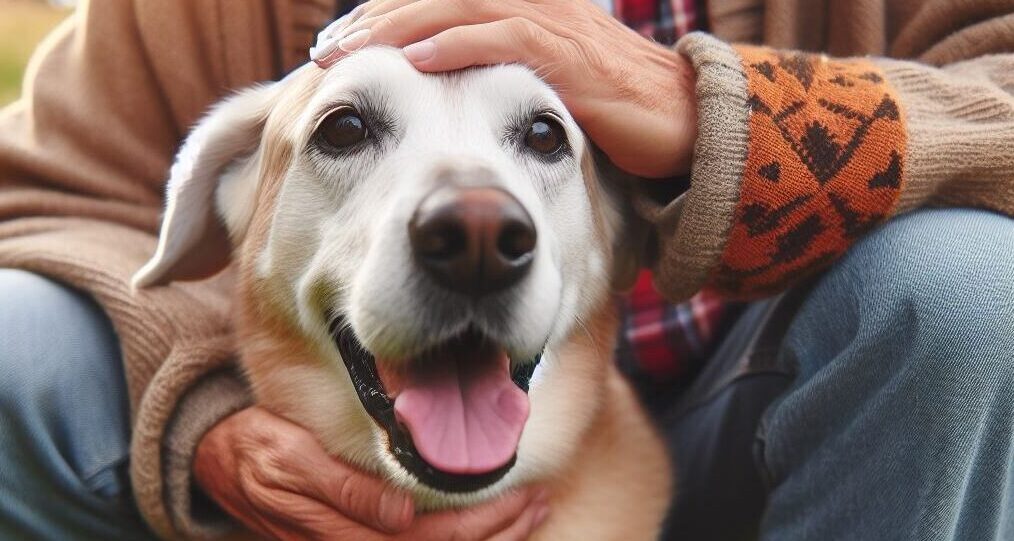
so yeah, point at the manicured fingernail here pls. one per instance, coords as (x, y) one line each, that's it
(323, 49)
(421, 51)
(335, 27)
(395, 510)
(354, 41)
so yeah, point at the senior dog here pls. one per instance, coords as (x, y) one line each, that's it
(425, 275)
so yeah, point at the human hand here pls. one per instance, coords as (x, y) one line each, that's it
(275, 478)
(634, 98)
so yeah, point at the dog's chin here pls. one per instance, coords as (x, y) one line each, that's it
(452, 425)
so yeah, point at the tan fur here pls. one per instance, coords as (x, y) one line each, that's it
(616, 487)
(586, 439)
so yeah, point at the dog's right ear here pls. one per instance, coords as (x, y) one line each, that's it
(194, 242)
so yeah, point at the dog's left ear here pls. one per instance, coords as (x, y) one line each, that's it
(194, 242)
(631, 233)
(631, 249)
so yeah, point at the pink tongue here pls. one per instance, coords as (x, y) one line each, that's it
(465, 414)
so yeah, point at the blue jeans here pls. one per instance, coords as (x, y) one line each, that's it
(64, 428)
(878, 406)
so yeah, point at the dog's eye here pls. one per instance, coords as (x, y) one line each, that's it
(343, 128)
(545, 136)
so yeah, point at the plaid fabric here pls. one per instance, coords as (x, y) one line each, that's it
(661, 343)
(667, 344)
(662, 20)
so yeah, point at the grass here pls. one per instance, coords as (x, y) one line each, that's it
(23, 24)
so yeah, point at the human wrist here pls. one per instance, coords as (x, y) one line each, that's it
(684, 94)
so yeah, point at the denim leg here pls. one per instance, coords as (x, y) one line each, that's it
(709, 429)
(899, 425)
(64, 428)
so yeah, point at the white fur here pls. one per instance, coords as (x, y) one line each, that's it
(338, 241)
(231, 130)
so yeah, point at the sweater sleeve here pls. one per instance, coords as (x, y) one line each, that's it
(83, 161)
(799, 155)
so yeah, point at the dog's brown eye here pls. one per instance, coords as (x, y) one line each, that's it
(545, 136)
(343, 128)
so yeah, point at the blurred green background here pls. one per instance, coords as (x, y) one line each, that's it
(23, 24)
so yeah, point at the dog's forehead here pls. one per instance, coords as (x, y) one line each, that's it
(383, 73)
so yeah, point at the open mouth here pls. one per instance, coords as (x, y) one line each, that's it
(453, 414)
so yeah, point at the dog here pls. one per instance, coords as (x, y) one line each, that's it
(426, 267)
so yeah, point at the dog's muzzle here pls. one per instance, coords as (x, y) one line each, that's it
(362, 369)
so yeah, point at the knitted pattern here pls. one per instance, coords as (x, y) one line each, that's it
(825, 164)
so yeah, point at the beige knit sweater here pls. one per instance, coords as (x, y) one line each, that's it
(798, 156)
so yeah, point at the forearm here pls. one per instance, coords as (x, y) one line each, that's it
(800, 155)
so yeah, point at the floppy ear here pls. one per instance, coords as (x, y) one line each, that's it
(194, 241)
(631, 233)
(632, 246)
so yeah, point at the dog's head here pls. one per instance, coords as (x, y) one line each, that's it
(435, 242)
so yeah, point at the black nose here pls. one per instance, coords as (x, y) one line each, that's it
(472, 240)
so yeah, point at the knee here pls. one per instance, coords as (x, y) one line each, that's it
(50, 338)
(940, 283)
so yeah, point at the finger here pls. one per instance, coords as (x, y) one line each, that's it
(292, 459)
(288, 516)
(357, 495)
(418, 20)
(508, 40)
(363, 16)
(478, 522)
(325, 42)
(377, 8)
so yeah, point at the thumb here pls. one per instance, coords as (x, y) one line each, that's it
(307, 469)
(357, 495)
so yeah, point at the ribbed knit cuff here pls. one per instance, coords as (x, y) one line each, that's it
(158, 453)
(693, 228)
(212, 399)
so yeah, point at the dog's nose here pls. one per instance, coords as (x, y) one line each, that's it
(474, 240)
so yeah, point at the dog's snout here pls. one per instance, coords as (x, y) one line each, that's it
(473, 240)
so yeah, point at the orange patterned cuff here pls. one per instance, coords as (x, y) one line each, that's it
(825, 164)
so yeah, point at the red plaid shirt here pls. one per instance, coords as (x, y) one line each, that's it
(661, 342)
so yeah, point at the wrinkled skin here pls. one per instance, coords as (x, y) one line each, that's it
(634, 98)
(276, 478)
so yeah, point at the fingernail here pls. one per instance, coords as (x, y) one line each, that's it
(327, 41)
(354, 41)
(395, 510)
(338, 24)
(421, 51)
(323, 49)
